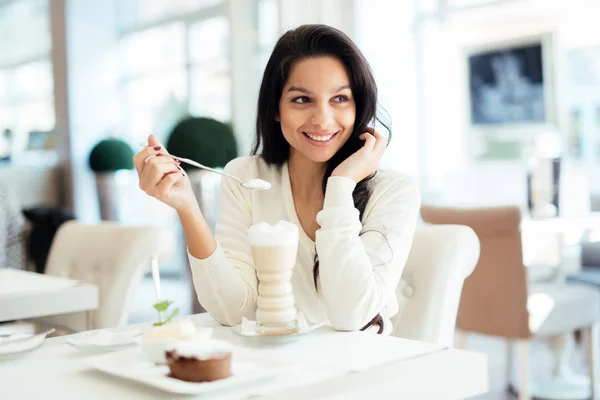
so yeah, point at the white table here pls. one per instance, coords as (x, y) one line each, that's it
(58, 371)
(25, 294)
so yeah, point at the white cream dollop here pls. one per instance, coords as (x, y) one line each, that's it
(257, 184)
(178, 330)
(202, 350)
(265, 234)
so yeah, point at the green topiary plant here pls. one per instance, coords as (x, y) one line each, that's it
(110, 155)
(204, 140)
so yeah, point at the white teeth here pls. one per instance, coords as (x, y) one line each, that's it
(320, 138)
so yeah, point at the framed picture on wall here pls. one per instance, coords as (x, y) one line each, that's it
(510, 83)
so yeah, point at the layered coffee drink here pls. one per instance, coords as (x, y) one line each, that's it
(274, 249)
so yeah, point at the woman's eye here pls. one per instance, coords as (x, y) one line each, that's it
(301, 100)
(340, 98)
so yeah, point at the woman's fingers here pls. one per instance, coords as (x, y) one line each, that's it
(154, 172)
(140, 158)
(163, 190)
(154, 148)
(381, 141)
(369, 140)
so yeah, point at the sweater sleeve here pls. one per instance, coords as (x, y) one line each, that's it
(360, 266)
(225, 282)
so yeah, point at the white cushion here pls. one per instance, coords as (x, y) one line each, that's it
(556, 308)
(440, 259)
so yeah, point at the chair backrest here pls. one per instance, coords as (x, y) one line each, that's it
(113, 257)
(440, 259)
(494, 297)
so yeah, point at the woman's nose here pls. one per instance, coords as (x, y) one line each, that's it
(322, 116)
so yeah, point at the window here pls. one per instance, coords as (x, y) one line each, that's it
(135, 13)
(26, 81)
(174, 68)
(210, 74)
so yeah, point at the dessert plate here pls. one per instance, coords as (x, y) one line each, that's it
(103, 340)
(17, 345)
(249, 330)
(130, 364)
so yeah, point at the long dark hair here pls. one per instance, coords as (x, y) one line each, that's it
(308, 41)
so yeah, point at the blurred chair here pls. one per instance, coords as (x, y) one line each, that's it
(111, 256)
(440, 259)
(12, 231)
(497, 299)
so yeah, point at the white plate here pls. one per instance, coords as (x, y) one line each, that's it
(19, 349)
(84, 341)
(129, 364)
(271, 338)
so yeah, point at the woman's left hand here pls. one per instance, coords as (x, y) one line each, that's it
(366, 160)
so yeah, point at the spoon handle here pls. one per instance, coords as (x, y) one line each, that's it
(195, 164)
(198, 165)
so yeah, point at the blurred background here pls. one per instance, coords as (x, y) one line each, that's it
(493, 102)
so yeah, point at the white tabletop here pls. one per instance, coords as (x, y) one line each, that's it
(25, 294)
(426, 371)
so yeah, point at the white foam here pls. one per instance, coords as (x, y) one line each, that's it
(257, 184)
(178, 330)
(265, 234)
(202, 349)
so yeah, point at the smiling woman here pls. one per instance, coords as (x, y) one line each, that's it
(317, 117)
(316, 145)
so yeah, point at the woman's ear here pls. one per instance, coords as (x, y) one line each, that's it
(277, 118)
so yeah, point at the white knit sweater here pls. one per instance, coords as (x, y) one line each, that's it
(360, 264)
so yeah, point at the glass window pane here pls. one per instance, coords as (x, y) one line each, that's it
(153, 49)
(209, 39)
(426, 6)
(32, 116)
(211, 91)
(133, 13)
(8, 117)
(34, 41)
(147, 100)
(467, 3)
(4, 88)
(267, 24)
(33, 81)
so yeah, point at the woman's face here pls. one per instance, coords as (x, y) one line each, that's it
(317, 110)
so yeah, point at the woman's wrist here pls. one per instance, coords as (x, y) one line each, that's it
(338, 192)
(189, 211)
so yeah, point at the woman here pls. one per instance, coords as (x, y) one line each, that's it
(314, 145)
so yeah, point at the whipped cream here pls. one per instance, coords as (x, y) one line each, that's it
(257, 184)
(265, 234)
(178, 330)
(201, 349)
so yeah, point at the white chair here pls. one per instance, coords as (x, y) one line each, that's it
(111, 256)
(498, 300)
(440, 259)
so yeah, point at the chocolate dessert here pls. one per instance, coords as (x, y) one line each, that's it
(200, 361)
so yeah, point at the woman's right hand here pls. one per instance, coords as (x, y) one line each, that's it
(162, 178)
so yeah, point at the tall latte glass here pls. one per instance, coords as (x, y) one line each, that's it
(274, 249)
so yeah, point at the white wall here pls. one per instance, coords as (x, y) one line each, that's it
(452, 174)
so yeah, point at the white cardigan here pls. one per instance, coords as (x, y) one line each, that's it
(360, 264)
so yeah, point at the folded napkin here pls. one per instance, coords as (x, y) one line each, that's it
(350, 351)
(248, 327)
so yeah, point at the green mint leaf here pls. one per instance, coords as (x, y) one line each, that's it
(173, 315)
(162, 306)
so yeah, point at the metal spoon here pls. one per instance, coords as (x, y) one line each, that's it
(253, 184)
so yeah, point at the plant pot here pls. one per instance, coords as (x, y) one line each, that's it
(106, 185)
(205, 185)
